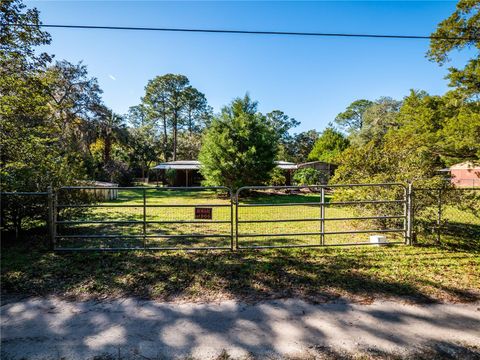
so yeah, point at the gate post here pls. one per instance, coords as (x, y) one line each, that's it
(144, 218)
(439, 216)
(232, 200)
(409, 214)
(236, 218)
(322, 216)
(51, 219)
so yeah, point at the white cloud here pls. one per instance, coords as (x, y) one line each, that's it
(112, 77)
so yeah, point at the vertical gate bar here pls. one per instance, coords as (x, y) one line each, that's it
(144, 218)
(236, 219)
(322, 216)
(410, 205)
(232, 246)
(50, 218)
(55, 216)
(439, 216)
(406, 209)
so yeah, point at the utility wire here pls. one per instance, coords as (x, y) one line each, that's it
(247, 32)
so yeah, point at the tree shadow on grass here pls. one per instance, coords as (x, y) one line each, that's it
(254, 275)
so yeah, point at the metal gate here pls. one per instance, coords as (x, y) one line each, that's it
(333, 215)
(157, 218)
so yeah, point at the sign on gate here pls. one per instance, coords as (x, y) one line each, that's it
(204, 213)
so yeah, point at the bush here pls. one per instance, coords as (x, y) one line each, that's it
(308, 176)
(277, 177)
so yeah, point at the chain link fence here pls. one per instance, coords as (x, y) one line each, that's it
(448, 216)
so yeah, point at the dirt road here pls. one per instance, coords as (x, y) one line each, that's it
(131, 329)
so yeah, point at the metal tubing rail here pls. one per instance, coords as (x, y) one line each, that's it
(149, 248)
(325, 219)
(139, 205)
(73, 222)
(157, 188)
(316, 186)
(315, 245)
(353, 202)
(325, 233)
(141, 236)
(22, 193)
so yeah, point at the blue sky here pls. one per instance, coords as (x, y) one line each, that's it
(310, 79)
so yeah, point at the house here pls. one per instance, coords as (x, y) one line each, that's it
(187, 172)
(327, 169)
(466, 174)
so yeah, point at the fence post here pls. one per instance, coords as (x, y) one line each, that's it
(144, 218)
(439, 215)
(322, 216)
(232, 245)
(409, 214)
(236, 218)
(51, 219)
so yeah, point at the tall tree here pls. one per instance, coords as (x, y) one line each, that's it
(352, 118)
(144, 140)
(239, 148)
(300, 145)
(172, 101)
(329, 146)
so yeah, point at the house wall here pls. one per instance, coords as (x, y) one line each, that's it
(465, 177)
(326, 168)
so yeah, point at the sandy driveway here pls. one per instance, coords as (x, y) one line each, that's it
(129, 328)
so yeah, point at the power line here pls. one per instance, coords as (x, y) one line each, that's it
(246, 32)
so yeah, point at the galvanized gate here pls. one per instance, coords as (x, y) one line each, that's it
(157, 218)
(334, 215)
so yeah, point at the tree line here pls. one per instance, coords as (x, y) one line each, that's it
(56, 129)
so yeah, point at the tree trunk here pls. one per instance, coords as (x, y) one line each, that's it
(165, 138)
(174, 136)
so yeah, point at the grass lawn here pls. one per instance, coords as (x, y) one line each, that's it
(361, 273)
(450, 271)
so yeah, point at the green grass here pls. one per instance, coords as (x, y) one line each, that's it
(361, 273)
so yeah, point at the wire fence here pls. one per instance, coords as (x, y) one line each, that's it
(289, 216)
(447, 216)
(87, 218)
(160, 218)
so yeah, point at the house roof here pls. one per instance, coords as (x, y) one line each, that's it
(195, 165)
(179, 165)
(285, 165)
(465, 165)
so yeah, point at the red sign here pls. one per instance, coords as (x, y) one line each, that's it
(203, 213)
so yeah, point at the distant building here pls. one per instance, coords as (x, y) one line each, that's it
(187, 172)
(327, 169)
(466, 174)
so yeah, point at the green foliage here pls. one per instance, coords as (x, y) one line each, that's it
(281, 123)
(297, 147)
(329, 146)
(277, 177)
(239, 148)
(308, 176)
(462, 24)
(352, 118)
(173, 105)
